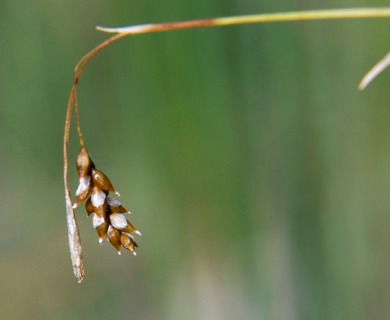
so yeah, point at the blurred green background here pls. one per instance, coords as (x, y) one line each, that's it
(257, 173)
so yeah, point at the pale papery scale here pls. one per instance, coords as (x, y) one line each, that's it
(118, 221)
(97, 221)
(113, 202)
(84, 183)
(98, 197)
(128, 234)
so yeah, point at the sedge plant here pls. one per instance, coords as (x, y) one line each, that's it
(94, 188)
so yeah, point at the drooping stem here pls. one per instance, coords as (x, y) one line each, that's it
(73, 232)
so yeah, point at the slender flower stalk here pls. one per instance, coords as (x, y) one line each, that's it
(94, 186)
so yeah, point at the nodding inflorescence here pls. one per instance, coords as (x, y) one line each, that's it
(108, 214)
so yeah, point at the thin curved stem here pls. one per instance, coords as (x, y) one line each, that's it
(76, 252)
(73, 231)
(374, 72)
(77, 116)
(80, 66)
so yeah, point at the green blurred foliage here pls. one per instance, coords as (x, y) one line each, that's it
(256, 171)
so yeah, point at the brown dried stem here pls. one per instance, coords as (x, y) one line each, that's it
(76, 252)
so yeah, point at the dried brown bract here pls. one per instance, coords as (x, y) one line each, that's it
(108, 214)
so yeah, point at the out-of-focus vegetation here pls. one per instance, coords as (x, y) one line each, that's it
(256, 171)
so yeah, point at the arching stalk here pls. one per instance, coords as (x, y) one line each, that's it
(73, 232)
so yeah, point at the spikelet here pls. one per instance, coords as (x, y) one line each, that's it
(108, 214)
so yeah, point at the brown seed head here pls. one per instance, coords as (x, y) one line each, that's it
(101, 226)
(130, 229)
(114, 206)
(83, 191)
(102, 210)
(100, 180)
(128, 243)
(89, 206)
(121, 223)
(108, 218)
(113, 236)
(83, 162)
